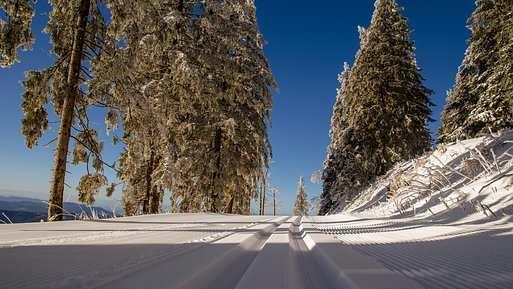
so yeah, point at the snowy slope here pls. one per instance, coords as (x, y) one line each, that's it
(444, 220)
(466, 180)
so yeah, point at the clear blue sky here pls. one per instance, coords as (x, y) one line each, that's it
(308, 43)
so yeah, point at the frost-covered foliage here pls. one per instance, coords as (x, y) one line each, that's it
(385, 109)
(193, 87)
(76, 31)
(333, 163)
(301, 206)
(481, 99)
(15, 29)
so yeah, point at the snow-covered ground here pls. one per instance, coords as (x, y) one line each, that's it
(220, 251)
(442, 221)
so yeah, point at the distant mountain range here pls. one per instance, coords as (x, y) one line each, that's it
(23, 210)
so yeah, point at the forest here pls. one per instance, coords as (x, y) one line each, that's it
(187, 92)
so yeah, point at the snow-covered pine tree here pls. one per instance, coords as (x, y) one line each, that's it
(505, 69)
(226, 151)
(340, 166)
(15, 29)
(387, 101)
(246, 146)
(480, 100)
(387, 106)
(332, 162)
(202, 77)
(139, 167)
(146, 77)
(301, 206)
(494, 110)
(76, 29)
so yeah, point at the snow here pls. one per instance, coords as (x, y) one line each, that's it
(448, 241)
(225, 251)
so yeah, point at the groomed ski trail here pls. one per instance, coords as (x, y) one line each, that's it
(198, 251)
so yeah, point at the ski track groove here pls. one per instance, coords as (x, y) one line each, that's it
(133, 262)
(247, 260)
(432, 272)
(300, 253)
(425, 258)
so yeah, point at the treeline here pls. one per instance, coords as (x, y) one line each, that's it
(382, 109)
(185, 83)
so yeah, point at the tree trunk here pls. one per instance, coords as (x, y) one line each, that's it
(155, 200)
(147, 195)
(156, 196)
(229, 207)
(214, 194)
(262, 203)
(67, 115)
(274, 203)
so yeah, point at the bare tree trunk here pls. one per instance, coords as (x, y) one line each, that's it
(274, 203)
(262, 203)
(55, 201)
(229, 207)
(156, 194)
(214, 194)
(173, 204)
(147, 195)
(155, 200)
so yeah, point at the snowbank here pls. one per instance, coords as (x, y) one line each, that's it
(466, 179)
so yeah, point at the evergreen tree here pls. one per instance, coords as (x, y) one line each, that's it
(386, 108)
(76, 29)
(504, 74)
(15, 29)
(480, 100)
(227, 151)
(386, 99)
(301, 207)
(340, 168)
(144, 76)
(198, 88)
(332, 162)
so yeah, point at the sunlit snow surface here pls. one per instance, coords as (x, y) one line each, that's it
(444, 239)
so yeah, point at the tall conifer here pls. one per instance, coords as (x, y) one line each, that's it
(332, 163)
(199, 97)
(76, 29)
(387, 107)
(387, 101)
(480, 99)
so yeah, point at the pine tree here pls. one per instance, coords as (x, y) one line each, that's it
(504, 71)
(480, 100)
(386, 108)
(76, 29)
(386, 99)
(227, 151)
(143, 76)
(332, 162)
(15, 29)
(494, 111)
(199, 87)
(340, 168)
(301, 207)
